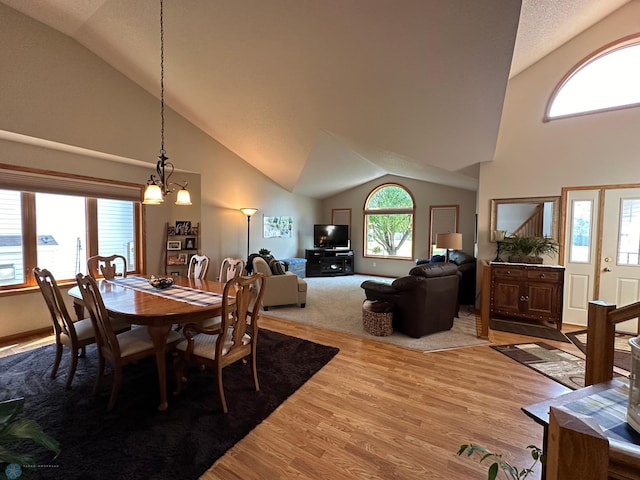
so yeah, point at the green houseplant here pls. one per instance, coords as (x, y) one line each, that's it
(528, 249)
(497, 463)
(13, 432)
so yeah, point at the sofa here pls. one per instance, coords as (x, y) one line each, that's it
(467, 267)
(424, 302)
(281, 287)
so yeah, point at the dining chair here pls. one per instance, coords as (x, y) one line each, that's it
(198, 266)
(119, 349)
(235, 339)
(74, 335)
(230, 268)
(107, 266)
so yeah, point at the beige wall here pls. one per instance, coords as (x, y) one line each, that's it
(425, 195)
(56, 90)
(538, 159)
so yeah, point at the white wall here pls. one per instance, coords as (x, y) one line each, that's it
(425, 195)
(55, 89)
(538, 159)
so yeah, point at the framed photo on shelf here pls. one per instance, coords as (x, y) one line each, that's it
(177, 259)
(190, 243)
(174, 245)
(183, 227)
(171, 230)
(174, 274)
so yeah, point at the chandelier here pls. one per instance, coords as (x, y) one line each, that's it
(158, 185)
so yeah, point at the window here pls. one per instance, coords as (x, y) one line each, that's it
(57, 230)
(388, 218)
(608, 79)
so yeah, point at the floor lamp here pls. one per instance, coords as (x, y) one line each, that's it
(449, 241)
(248, 212)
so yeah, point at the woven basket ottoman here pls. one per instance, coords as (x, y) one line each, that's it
(377, 317)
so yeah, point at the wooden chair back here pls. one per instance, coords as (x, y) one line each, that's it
(62, 323)
(198, 266)
(92, 298)
(577, 448)
(230, 268)
(240, 319)
(107, 266)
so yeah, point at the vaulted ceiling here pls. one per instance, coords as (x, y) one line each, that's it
(300, 88)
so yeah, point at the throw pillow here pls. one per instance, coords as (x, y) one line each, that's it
(277, 267)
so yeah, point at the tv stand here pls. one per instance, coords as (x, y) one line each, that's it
(329, 262)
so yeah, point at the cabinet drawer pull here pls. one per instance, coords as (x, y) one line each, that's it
(542, 275)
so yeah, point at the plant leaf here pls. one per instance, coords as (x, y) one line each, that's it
(493, 471)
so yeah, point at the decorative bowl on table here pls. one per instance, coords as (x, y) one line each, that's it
(160, 282)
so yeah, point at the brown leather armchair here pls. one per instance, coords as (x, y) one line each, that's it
(425, 301)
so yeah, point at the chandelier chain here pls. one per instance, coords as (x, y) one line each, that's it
(162, 151)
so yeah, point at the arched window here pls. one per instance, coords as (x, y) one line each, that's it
(388, 217)
(608, 79)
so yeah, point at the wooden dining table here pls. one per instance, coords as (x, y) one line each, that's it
(157, 311)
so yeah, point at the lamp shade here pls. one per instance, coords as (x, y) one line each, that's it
(450, 241)
(248, 211)
(152, 195)
(183, 197)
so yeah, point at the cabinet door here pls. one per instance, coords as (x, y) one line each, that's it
(506, 290)
(506, 296)
(540, 299)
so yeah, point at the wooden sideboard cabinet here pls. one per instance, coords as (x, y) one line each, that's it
(527, 292)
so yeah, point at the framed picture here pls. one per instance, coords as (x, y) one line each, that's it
(177, 259)
(174, 245)
(278, 227)
(190, 243)
(193, 231)
(171, 230)
(174, 274)
(183, 227)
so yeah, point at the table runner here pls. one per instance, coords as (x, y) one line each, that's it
(609, 409)
(175, 292)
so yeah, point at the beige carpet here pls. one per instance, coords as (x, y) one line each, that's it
(335, 303)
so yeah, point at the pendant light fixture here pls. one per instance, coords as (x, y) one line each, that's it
(158, 185)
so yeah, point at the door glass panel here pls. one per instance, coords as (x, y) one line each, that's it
(629, 239)
(61, 231)
(11, 251)
(581, 221)
(116, 230)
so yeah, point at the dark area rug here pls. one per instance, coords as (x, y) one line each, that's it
(621, 352)
(563, 367)
(135, 440)
(530, 329)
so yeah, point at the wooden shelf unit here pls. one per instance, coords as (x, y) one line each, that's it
(171, 255)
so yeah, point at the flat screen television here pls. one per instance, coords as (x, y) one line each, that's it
(330, 236)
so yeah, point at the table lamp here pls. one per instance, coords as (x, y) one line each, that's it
(498, 235)
(449, 241)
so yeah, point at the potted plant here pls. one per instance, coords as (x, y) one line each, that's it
(497, 463)
(266, 254)
(528, 249)
(14, 431)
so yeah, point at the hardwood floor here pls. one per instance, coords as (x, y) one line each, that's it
(379, 411)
